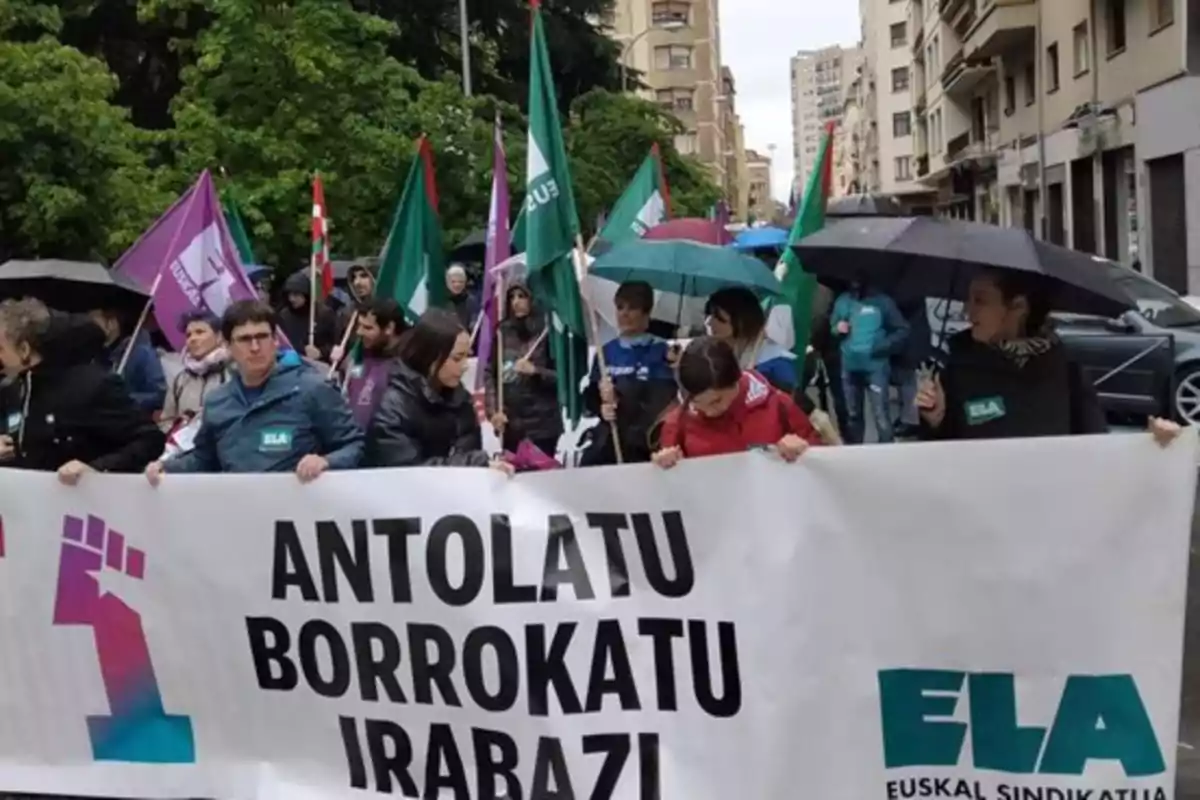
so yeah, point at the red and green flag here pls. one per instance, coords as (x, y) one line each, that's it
(550, 228)
(412, 269)
(322, 267)
(800, 287)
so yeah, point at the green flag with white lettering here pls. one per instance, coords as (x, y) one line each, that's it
(644, 203)
(412, 269)
(551, 226)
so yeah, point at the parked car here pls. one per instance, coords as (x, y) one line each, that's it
(1146, 362)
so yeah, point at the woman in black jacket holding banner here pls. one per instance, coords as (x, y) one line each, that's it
(61, 409)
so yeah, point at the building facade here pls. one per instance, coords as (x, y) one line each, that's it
(737, 179)
(820, 81)
(762, 201)
(1077, 119)
(673, 48)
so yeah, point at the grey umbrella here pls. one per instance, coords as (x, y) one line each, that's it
(69, 285)
(865, 205)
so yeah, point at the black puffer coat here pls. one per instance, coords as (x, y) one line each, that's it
(530, 401)
(69, 407)
(418, 425)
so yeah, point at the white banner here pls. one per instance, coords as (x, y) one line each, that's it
(991, 621)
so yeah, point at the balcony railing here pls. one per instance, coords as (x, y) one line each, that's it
(922, 168)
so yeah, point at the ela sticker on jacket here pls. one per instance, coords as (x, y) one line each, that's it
(986, 409)
(14, 421)
(275, 440)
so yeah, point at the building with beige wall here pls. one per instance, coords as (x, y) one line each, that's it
(1091, 103)
(673, 47)
(737, 180)
(758, 170)
(820, 80)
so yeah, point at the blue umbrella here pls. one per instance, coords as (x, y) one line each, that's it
(761, 239)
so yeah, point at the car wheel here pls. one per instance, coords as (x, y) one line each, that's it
(1187, 395)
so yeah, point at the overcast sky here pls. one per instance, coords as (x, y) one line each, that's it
(758, 40)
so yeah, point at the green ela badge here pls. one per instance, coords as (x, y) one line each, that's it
(985, 409)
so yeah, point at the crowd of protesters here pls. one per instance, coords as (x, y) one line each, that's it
(86, 394)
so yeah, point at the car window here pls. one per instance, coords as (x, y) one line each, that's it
(1157, 303)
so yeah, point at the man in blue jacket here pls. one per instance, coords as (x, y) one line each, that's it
(143, 372)
(277, 415)
(870, 329)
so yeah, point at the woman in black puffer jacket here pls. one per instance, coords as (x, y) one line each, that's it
(426, 416)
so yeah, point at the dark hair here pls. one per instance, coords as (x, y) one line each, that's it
(706, 364)
(1013, 284)
(431, 341)
(247, 312)
(744, 310)
(636, 294)
(386, 312)
(189, 317)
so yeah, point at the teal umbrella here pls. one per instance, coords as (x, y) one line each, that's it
(684, 268)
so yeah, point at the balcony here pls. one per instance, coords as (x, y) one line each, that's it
(922, 168)
(963, 75)
(1003, 25)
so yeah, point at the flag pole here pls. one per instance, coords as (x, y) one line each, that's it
(171, 253)
(589, 314)
(499, 344)
(345, 341)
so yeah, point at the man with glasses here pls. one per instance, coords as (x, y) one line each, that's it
(276, 415)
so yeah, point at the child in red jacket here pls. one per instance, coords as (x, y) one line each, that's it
(728, 410)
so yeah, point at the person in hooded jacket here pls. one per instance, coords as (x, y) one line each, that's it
(870, 328)
(277, 413)
(61, 408)
(729, 410)
(203, 366)
(294, 317)
(427, 417)
(530, 409)
(1009, 375)
(142, 371)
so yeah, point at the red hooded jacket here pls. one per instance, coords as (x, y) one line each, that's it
(760, 416)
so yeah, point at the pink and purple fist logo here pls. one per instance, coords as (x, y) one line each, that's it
(138, 730)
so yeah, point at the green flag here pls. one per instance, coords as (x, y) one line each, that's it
(237, 229)
(551, 226)
(799, 287)
(643, 204)
(412, 269)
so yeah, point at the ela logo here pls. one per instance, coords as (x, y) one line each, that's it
(139, 730)
(275, 440)
(987, 409)
(1099, 717)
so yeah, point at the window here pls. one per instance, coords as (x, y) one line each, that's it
(674, 56)
(677, 99)
(904, 168)
(1162, 14)
(687, 144)
(670, 11)
(1082, 58)
(1052, 68)
(900, 79)
(1030, 84)
(1114, 15)
(899, 33)
(1010, 94)
(901, 124)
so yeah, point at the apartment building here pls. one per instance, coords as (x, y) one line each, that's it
(1094, 103)
(762, 202)
(737, 179)
(885, 100)
(820, 81)
(674, 48)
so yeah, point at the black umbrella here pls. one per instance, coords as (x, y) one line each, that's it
(915, 257)
(472, 250)
(865, 205)
(70, 285)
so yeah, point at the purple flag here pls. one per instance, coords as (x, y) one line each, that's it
(187, 261)
(499, 248)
